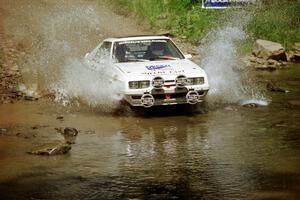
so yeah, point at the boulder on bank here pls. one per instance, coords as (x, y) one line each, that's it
(296, 46)
(262, 64)
(269, 50)
(268, 55)
(294, 54)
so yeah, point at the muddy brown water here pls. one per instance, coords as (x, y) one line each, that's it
(231, 152)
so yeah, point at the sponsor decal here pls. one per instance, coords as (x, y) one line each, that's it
(159, 67)
(141, 41)
(158, 72)
(225, 3)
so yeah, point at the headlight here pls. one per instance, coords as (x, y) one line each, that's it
(144, 84)
(195, 81)
(138, 84)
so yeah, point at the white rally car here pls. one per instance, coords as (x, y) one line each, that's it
(153, 70)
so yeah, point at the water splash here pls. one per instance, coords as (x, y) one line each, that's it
(94, 86)
(257, 101)
(57, 35)
(76, 82)
(228, 83)
(53, 40)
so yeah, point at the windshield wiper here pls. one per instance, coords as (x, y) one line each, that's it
(138, 59)
(167, 58)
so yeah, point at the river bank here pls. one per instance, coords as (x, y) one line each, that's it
(275, 20)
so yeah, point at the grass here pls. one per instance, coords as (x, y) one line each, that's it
(246, 47)
(278, 21)
(275, 20)
(183, 18)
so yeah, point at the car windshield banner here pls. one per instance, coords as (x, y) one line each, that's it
(219, 4)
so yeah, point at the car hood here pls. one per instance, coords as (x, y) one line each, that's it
(154, 68)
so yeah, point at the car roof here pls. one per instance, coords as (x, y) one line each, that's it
(136, 37)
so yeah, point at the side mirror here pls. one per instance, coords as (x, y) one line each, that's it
(187, 56)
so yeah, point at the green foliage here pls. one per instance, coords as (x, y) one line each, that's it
(184, 18)
(245, 47)
(278, 21)
(275, 20)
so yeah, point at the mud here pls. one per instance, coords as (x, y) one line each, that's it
(10, 75)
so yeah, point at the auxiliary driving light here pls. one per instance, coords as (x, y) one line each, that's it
(158, 82)
(192, 97)
(147, 100)
(181, 81)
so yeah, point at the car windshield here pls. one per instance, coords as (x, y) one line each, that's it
(146, 50)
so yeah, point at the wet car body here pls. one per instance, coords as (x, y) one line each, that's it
(154, 71)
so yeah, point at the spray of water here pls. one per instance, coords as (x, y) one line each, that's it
(57, 35)
(228, 83)
(75, 81)
(54, 39)
(83, 84)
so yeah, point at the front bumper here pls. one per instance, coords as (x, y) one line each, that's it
(167, 96)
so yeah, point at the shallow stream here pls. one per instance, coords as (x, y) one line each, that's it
(232, 152)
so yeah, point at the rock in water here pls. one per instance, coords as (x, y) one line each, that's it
(60, 117)
(294, 103)
(51, 150)
(59, 130)
(269, 50)
(250, 105)
(70, 135)
(30, 98)
(265, 67)
(70, 131)
(271, 86)
(3, 131)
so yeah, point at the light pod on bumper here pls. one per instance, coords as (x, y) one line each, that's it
(181, 81)
(192, 97)
(158, 82)
(147, 100)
